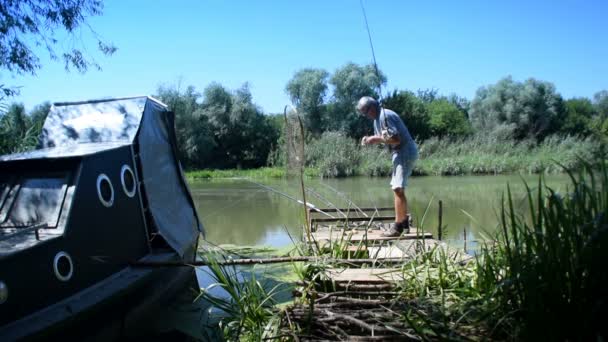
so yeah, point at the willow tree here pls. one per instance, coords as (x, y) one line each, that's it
(307, 89)
(532, 108)
(351, 82)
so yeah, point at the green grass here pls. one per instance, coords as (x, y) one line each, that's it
(260, 173)
(335, 155)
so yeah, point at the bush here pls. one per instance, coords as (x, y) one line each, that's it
(334, 154)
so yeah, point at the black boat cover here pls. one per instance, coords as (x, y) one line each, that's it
(87, 127)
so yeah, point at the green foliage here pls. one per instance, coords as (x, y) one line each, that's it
(220, 128)
(412, 111)
(193, 130)
(248, 306)
(488, 154)
(600, 101)
(28, 24)
(18, 131)
(258, 173)
(533, 107)
(350, 83)
(550, 274)
(579, 114)
(307, 91)
(333, 154)
(243, 134)
(447, 120)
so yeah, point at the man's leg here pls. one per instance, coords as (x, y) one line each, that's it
(400, 205)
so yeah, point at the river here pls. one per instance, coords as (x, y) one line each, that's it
(237, 211)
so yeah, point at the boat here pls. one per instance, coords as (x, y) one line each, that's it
(102, 191)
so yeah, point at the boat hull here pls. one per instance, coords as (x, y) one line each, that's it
(116, 307)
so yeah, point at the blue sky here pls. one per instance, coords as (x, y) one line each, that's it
(454, 46)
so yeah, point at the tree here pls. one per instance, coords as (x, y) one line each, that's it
(26, 24)
(600, 101)
(307, 91)
(16, 134)
(447, 119)
(533, 107)
(193, 131)
(244, 136)
(579, 113)
(351, 82)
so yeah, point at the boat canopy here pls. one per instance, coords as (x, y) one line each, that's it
(145, 123)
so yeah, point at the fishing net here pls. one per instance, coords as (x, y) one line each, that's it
(294, 141)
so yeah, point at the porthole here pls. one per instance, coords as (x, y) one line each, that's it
(127, 178)
(3, 292)
(105, 191)
(63, 266)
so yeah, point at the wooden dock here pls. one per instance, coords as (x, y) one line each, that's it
(358, 234)
(359, 300)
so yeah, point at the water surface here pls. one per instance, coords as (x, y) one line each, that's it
(243, 213)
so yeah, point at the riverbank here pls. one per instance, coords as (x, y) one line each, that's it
(338, 156)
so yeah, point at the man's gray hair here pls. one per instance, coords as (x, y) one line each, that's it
(365, 103)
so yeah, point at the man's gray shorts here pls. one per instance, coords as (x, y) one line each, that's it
(402, 169)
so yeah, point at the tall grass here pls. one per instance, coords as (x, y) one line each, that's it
(488, 155)
(247, 306)
(550, 270)
(336, 155)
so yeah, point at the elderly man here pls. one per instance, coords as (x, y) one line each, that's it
(389, 129)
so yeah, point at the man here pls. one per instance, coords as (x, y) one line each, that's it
(389, 129)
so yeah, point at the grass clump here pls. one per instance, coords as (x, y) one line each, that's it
(260, 173)
(549, 270)
(247, 307)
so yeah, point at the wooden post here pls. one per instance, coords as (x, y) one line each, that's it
(465, 239)
(439, 229)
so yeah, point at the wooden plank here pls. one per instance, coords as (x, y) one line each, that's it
(352, 210)
(365, 275)
(359, 235)
(352, 219)
(390, 252)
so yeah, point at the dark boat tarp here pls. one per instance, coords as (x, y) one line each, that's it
(147, 122)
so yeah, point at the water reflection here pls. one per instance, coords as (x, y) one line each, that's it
(241, 212)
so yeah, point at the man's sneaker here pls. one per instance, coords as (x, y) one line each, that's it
(395, 230)
(405, 225)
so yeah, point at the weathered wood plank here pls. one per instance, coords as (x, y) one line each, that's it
(352, 219)
(363, 235)
(365, 275)
(354, 210)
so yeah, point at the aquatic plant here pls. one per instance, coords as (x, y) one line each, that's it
(247, 307)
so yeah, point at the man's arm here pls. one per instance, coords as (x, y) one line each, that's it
(378, 139)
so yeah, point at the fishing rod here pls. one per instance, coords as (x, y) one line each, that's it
(348, 200)
(320, 197)
(308, 204)
(371, 44)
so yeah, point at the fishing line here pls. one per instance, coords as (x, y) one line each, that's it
(371, 44)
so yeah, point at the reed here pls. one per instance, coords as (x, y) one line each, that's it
(247, 307)
(549, 270)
